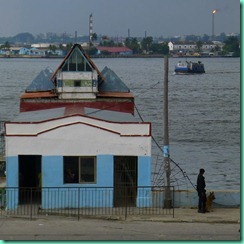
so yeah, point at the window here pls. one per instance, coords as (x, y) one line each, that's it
(79, 169)
(77, 83)
(71, 169)
(77, 62)
(87, 169)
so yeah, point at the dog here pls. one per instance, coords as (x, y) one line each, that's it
(209, 202)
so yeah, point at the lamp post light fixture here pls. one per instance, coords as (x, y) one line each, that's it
(213, 13)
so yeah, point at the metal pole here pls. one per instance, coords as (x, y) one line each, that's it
(167, 196)
(213, 13)
(212, 26)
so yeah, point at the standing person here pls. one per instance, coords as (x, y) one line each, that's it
(201, 192)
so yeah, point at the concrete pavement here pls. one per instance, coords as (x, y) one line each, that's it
(219, 215)
(222, 224)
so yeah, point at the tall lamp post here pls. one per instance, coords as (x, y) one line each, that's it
(213, 13)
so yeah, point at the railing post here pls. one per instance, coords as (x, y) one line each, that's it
(31, 203)
(78, 204)
(173, 202)
(125, 191)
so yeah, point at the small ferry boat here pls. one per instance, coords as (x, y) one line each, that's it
(189, 68)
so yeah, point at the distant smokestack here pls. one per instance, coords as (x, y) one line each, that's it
(75, 36)
(90, 29)
(128, 33)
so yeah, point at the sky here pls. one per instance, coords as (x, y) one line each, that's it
(156, 18)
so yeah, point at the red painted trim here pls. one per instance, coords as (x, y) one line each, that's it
(60, 126)
(118, 106)
(80, 115)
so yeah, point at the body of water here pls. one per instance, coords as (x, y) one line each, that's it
(204, 111)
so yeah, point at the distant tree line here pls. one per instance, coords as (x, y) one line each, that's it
(232, 44)
(146, 45)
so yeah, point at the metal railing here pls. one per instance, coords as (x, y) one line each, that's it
(84, 201)
(2, 141)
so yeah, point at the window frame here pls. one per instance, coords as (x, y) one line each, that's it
(79, 161)
(74, 56)
(94, 170)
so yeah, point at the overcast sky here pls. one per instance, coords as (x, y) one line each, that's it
(114, 17)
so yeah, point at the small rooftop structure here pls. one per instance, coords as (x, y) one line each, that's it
(77, 82)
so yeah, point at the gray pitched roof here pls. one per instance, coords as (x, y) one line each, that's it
(112, 82)
(48, 114)
(42, 82)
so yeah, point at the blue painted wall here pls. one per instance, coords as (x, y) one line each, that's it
(12, 168)
(144, 195)
(86, 195)
(56, 194)
(144, 171)
(12, 180)
(105, 170)
(69, 195)
(52, 171)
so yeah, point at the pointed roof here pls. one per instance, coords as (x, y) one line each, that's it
(85, 56)
(41, 82)
(112, 82)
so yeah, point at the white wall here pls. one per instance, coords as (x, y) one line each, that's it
(86, 75)
(78, 135)
(129, 129)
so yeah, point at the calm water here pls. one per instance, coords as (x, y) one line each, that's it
(204, 111)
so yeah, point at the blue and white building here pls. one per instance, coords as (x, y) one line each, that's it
(86, 148)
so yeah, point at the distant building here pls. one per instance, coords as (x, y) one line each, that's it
(42, 45)
(37, 52)
(114, 50)
(189, 47)
(24, 51)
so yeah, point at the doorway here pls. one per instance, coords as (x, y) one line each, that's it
(125, 181)
(29, 178)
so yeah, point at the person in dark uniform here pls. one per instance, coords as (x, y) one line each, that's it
(201, 192)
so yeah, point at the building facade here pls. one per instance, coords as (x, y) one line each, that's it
(51, 150)
(191, 47)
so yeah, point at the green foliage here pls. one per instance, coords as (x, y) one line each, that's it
(147, 43)
(53, 48)
(5, 46)
(162, 48)
(198, 46)
(94, 37)
(133, 44)
(232, 45)
(68, 46)
(107, 43)
(92, 51)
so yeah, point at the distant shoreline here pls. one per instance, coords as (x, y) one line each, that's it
(112, 56)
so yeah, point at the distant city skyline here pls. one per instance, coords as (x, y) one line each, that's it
(115, 17)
